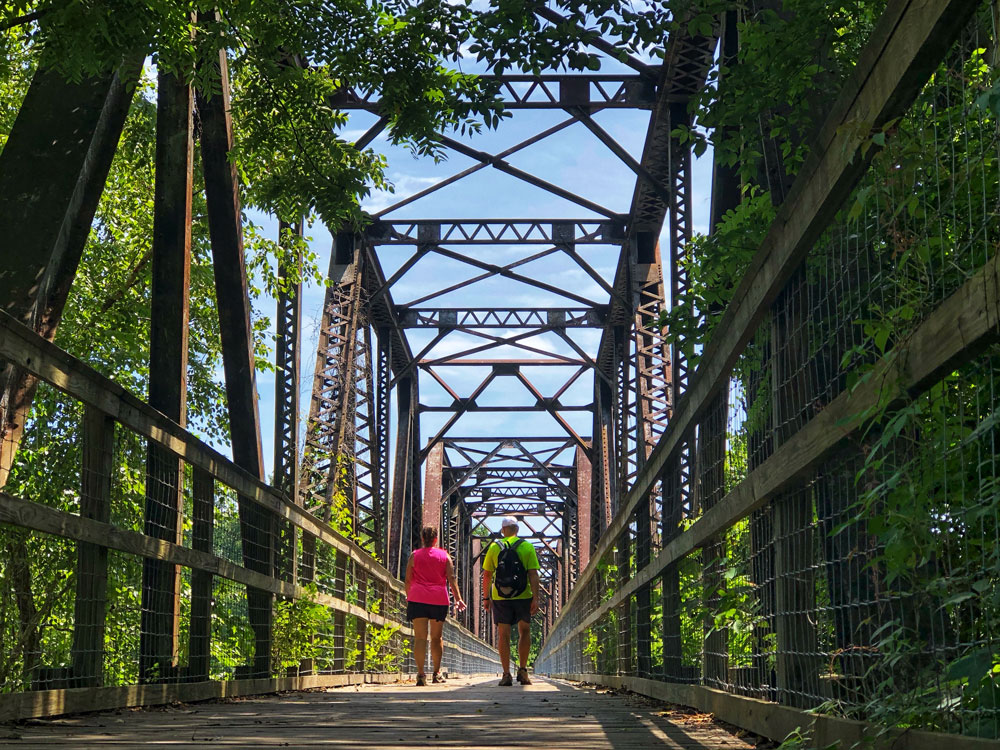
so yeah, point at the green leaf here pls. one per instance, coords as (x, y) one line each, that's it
(972, 667)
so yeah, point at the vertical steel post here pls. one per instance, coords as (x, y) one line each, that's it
(258, 526)
(286, 396)
(171, 267)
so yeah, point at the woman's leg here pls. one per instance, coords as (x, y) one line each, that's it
(420, 642)
(437, 627)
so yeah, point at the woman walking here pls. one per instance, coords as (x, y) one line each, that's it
(429, 574)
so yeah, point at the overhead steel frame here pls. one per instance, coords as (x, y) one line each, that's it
(637, 378)
(511, 479)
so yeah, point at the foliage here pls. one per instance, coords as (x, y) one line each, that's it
(296, 625)
(383, 653)
(293, 62)
(714, 264)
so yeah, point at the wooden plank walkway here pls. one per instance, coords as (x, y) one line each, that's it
(469, 713)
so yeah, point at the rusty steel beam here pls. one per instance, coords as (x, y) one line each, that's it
(476, 167)
(53, 168)
(331, 411)
(225, 224)
(547, 91)
(287, 378)
(497, 231)
(168, 359)
(545, 318)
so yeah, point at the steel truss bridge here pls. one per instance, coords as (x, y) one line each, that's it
(650, 494)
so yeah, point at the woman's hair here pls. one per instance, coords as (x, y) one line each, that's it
(428, 536)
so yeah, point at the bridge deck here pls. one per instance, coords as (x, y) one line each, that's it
(464, 713)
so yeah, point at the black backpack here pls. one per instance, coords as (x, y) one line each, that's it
(510, 577)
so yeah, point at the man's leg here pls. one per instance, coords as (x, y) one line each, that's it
(503, 646)
(523, 643)
(437, 646)
(420, 643)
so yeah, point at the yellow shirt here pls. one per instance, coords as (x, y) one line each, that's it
(525, 551)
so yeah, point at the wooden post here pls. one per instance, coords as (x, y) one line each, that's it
(340, 561)
(361, 579)
(798, 663)
(92, 559)
(643, 626)
(171, 267)
(711, 487)
(202, 536)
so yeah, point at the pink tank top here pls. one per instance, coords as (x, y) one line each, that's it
(430, 582)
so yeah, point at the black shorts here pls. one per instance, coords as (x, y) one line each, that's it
(430, 611)
(509, 611)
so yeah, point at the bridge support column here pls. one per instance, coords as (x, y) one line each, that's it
(584, 509)
(167, 369)
(406, 479)
(433, 486)
(287, 380)
(258, 526)
(53, 169)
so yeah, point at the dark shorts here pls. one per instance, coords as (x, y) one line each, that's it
(430, 611)
(509, 611)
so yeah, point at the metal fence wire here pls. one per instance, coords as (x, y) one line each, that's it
(867, 588)
(133, 554)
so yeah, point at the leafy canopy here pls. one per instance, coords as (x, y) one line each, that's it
(290, 61)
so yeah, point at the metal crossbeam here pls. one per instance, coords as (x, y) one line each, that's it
(496, 232)
(599, 91)
(498, 317)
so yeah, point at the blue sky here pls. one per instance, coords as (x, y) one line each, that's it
(573, 158)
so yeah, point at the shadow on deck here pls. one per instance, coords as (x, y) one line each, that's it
(463, 713)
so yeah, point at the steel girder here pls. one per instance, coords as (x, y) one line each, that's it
(494, 231)
(286, 407)
(464, 319)
(634, 371)
(345, 467)
(542, 92)
(641, 369)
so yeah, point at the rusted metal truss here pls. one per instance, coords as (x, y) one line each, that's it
(541, 92)
(345, 466)
(564, 488)
(547, 318)
(492, 232)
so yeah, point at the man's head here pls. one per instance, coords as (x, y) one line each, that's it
(508, 526)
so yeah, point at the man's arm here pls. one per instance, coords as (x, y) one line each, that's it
(536, 589)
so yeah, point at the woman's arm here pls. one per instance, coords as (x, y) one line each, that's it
(453, 583)
(409, 575)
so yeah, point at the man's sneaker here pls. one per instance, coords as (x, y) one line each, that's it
(522, 676)
(421, 680)
(437, 677)
(505, 681)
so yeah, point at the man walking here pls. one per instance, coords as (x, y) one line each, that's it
(510, 580)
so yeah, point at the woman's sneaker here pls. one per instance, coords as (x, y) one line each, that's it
(506, 681)
(437, 677)
(522, 676)
(421, 680)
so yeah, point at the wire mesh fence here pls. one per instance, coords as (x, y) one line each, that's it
(866, 585)
(133, 554)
